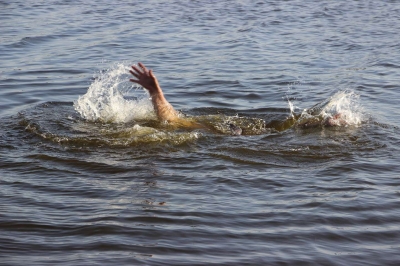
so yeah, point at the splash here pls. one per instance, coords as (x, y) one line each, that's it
(290, 96)
(292, 107)
(112, 98)
(344, 108)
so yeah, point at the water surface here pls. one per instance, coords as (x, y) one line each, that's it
(108, 184)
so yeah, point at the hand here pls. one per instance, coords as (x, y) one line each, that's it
(145, 78)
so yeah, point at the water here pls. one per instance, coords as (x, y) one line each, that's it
(89, 177)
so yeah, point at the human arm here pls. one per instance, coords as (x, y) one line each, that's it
(146, 78)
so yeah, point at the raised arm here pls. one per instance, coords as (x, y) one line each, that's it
(145, 78)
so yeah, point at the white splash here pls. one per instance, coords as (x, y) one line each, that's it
(292, 107)
(342, 109)
(346, 105)
(107, 98)
(290, 98)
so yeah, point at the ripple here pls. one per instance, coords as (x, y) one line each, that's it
(77, 191)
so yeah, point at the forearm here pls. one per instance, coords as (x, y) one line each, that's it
(163, 109)
(146, 78)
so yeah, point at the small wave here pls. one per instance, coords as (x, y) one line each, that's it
(32, 40)
(56, 122)
(112, 98)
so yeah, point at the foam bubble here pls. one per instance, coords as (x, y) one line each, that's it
(112, 98)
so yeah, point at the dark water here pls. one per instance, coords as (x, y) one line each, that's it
(110, 186)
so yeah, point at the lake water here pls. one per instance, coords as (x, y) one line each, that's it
(89, 177)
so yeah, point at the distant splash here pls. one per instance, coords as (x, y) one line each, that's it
(112, 98)
(348, 105)
(344, 108)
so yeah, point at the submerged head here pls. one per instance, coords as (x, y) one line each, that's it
(336, 120)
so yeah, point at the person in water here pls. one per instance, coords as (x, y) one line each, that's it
(164, 110)
(146, 78)
(166, 113)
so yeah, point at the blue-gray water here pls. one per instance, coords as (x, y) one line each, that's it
(80, 192)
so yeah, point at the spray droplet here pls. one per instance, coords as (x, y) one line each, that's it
(109, 98)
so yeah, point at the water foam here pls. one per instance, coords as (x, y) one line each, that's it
(112, 98)
(347, 105)
(344, 108)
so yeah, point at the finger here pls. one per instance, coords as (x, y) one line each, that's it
(143, 67)
(134, 74)
(134, 81)
(151, 73)
(137, 69)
